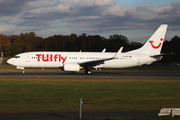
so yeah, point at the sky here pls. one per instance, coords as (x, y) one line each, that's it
(135, 19)
(154, 3)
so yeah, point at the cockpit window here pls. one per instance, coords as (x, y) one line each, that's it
(16, 56)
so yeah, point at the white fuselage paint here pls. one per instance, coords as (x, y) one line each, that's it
(51, 59)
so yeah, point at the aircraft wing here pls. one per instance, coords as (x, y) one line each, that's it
(101, 61)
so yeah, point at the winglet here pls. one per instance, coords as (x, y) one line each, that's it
(104, 50)
(118, 53)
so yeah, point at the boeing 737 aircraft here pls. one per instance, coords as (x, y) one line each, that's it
(74, 61)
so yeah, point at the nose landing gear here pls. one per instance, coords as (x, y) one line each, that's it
(21, 68)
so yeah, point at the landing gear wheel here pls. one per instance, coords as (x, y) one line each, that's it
(24, 71)
(88, 71)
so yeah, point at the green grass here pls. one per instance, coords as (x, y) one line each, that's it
(62, 95)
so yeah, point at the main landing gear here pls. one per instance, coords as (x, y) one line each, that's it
(24, 71)
(88, 71)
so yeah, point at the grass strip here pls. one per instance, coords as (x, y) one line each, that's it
(62, 95)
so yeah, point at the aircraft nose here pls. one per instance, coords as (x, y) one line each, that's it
(10, 61)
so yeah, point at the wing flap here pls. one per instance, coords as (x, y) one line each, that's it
(92, 63)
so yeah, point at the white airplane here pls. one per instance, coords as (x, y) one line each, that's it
(74, 61)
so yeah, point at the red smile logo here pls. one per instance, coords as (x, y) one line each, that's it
(155, 47)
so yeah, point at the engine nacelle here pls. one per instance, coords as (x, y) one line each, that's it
(71, 67)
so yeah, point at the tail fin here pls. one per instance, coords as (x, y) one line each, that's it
(154, 44)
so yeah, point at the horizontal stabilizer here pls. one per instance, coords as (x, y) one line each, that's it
(162, 54)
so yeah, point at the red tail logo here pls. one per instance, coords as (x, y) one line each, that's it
(155, 47)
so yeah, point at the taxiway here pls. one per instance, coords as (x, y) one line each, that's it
(116, 75)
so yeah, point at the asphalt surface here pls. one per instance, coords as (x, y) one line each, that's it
(26, 116)
(173, 75)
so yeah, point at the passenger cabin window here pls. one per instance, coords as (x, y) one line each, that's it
(16, 56)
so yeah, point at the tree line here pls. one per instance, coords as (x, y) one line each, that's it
(26, 42)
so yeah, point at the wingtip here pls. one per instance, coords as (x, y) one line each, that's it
(164, 25)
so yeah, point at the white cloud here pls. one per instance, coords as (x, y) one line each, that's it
(115, 10)
(39, 4)
(7, 29)
(13, 20)
(162, 9)
(79, 16)
(61, 8)
(88, 17)
(89, 3)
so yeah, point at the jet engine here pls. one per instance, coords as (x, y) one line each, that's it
(71, 67)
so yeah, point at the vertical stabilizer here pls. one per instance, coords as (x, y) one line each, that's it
(154, 44)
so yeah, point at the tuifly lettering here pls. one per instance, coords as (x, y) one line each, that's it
(45, 59)
(51, 58)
